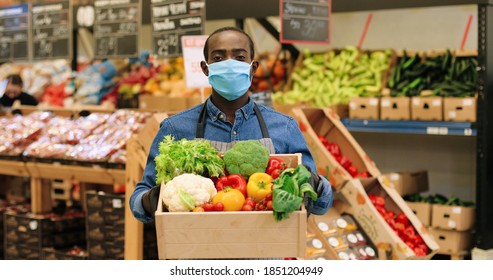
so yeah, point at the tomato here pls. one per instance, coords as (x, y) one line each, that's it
(250, 202)
(246, 207)
(218, 206)
(268, 197)
(208, 207)
(268, 205)
(232, 199)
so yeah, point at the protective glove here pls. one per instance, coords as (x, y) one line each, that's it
(150, 200)
(314, 181)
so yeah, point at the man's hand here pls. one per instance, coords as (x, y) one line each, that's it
(314, 181)
(150, 200)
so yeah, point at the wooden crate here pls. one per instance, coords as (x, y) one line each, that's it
(231, 235)
(14, 168)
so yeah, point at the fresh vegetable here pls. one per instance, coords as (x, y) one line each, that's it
(289, 190)
(246, 158)
(235, 181)
(275, 167)
(232, 199)
(186, 156)
(208, 206)
(401, 225)
(186, 191)
(218, 206)
(438, 199)
(259, 186)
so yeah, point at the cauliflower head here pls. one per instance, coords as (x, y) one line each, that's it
(186, 191)
(246, 157)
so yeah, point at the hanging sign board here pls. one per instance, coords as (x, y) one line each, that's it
(306, 21)
(51, 30)
(14, 33)
(170, 20)
(193, 54)
(116, 28)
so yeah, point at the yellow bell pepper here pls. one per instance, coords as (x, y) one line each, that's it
(259, 185)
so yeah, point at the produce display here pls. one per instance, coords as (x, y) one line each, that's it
(438, 199)
(445, 74)
(401, 226)
(196, 178)
(335, 77)
(271, 75)
(343, 160)
(43, 136)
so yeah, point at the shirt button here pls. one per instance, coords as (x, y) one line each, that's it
(234, 132)
(221, 116)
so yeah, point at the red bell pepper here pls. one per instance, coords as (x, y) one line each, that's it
(377, 200)
(234, 181)
(402, 218)
(333, 148)
(344, 161)
(364, 174)
(275, 167)
(353, 171)
(322, 139)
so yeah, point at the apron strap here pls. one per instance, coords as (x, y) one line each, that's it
(261, 122)
(199, 132)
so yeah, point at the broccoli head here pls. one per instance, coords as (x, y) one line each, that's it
(246, 158)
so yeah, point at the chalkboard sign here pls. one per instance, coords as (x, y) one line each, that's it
(14, 33)
(306, 21)
(51, 30)
(262, 97)
(116, 28)
(170, 20)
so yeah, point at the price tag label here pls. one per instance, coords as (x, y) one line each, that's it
(193, 47)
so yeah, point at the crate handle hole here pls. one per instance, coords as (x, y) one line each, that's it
(446, 215)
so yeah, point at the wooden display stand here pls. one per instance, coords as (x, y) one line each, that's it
(134, 170)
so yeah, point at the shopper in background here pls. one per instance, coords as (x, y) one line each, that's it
(13, 91)
(227, 116)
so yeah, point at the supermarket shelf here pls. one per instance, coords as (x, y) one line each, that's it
(411, 127)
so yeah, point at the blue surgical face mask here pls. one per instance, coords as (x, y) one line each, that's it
(230, 78)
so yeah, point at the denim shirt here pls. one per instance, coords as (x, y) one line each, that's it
(283, 131)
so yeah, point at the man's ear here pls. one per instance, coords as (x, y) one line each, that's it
(254, 67)
(204, 67)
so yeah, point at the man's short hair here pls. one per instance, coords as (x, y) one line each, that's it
(14, 79)
(229, 28)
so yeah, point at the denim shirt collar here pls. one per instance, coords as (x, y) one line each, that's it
(214, 112)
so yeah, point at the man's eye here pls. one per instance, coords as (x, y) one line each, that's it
(240, 58)
(217, 58)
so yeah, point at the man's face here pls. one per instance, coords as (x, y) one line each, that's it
(12, 91)
(229, 45)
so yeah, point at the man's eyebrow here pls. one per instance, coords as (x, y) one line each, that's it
(233, 50)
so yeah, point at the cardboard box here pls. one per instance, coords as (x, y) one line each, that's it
(453, 217)
(451, 241)
(366, 108)
(459, 109)
(409, 182)
(355, 193)
(422, 211)
(150, 129)
(426, 108)
(395, 108)
(325, 122)
(234, 234)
